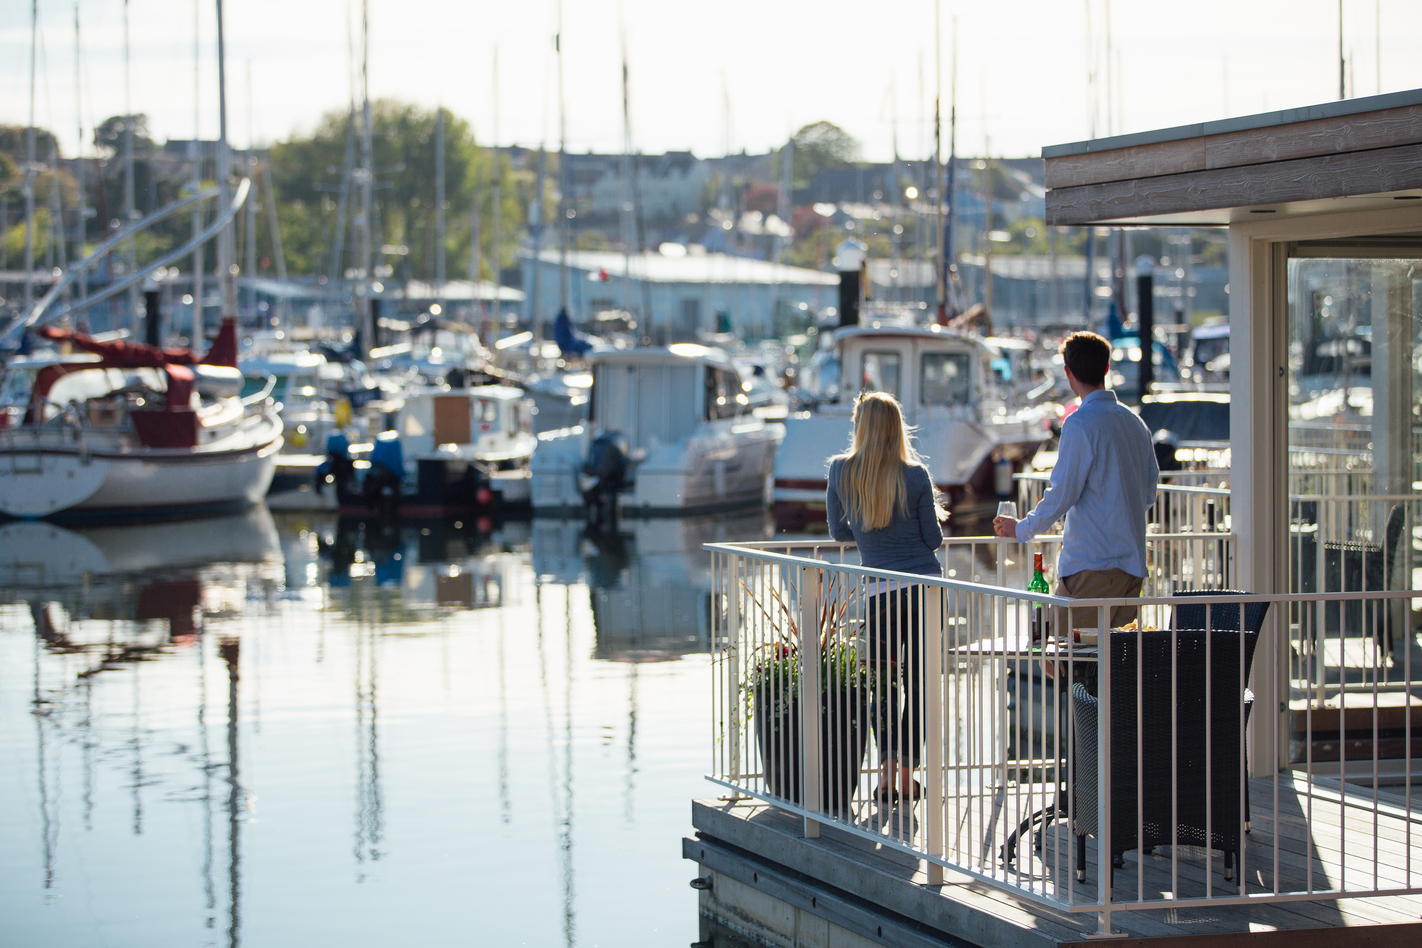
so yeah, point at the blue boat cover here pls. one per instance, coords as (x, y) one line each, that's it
(570, 343)
(388, 454)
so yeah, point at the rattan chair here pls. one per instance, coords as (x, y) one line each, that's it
(1159, 743)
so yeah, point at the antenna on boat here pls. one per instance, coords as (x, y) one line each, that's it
(79, 201)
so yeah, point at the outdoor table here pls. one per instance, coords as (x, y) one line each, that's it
(1052, 653)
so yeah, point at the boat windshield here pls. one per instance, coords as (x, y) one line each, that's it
(943, 378)
(881, 373)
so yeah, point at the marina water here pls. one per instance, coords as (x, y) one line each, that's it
(302, 729)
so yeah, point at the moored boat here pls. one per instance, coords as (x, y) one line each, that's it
(670, 431)
(138, 433)
(974, 401)
(452, 451)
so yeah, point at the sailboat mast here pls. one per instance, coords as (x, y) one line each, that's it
(226, 249)
(79, 228)
(250, 226)
(275, 234)
(941, 270)
(628, 224)
(367, 180)
(130, 213)
(496, 199)
(195, 156)
(439, 207)
(564, 179)
(30, 167)
(948, 256)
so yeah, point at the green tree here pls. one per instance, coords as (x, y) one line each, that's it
(108, 137)
(820, 146)
(13, 142)
(307, 174)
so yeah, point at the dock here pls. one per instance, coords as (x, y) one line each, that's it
(772, 885)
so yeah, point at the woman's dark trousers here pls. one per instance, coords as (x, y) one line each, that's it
(896, 655)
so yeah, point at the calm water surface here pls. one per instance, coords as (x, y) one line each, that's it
(299, 730)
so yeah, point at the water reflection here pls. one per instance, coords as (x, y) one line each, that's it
(414, 714)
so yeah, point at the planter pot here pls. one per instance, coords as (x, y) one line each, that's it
(844, 735)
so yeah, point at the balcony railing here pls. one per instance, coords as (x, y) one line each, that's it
(1031, 756)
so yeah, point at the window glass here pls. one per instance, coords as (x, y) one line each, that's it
(881, 373)
(944, 379)
(725, 397)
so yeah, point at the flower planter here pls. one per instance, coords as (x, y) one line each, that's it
(844, 736)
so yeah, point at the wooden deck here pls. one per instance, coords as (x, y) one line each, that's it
(858, 876)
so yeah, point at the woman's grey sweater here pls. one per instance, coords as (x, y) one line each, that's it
(909, 544)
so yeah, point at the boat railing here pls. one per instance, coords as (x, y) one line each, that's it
(1018, 737)
(257, 398)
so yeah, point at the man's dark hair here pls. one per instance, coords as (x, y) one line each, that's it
(1088, 356)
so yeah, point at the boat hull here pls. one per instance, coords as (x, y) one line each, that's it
(149, 484)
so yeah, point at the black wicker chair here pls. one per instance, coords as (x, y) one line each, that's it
(1148, 823)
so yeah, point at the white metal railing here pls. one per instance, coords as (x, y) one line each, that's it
(1187, 502)
(1018, 737)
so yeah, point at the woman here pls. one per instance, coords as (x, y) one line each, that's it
(881, 497)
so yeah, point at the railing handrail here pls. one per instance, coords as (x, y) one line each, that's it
(943, 582)
(1044, 477)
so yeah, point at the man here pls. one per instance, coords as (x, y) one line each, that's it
(1104, 481)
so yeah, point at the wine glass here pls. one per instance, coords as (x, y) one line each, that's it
(1007, 508)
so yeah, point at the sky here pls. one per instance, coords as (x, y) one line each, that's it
(737, 74)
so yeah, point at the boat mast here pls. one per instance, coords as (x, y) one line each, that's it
(250, 225)
(628, 224)
(30, 166)
(79, 228)
(367, 184)
(130, 212)
(941, 269)
(564, 178)
(226, 249)
(338, 239)
(275, 225)
(439, 208)
(497, 200)
(195, 156)
(949, 262)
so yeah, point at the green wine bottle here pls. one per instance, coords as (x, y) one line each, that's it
(1037, 585)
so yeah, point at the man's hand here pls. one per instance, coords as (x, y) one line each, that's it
(1005, 527)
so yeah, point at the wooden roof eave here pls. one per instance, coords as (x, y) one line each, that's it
(1221, 173)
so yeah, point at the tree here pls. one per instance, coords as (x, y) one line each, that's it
(307, 177)
(818, 146)
(108, 137)
(14, 142)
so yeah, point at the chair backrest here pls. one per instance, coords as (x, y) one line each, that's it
(1396, 522)
(1220, 616)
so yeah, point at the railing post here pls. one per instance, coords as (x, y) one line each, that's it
(1104, 859)
(810, 695)
(730, 575)
(933, 729)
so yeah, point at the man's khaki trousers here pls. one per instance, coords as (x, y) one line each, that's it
(1099, 584)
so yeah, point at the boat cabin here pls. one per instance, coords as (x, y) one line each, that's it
(656, 397)
(485, 423)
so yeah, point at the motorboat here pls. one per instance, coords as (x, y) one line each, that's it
(670, 431)
(137, 433)
(453, 450)
(978, 405)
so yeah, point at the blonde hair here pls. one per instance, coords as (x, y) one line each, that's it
(872, 478)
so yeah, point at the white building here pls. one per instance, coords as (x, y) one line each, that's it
(675, 296)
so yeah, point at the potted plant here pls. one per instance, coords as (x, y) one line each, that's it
(772, 694)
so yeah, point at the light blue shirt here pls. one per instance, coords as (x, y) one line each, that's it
(1104, 481)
